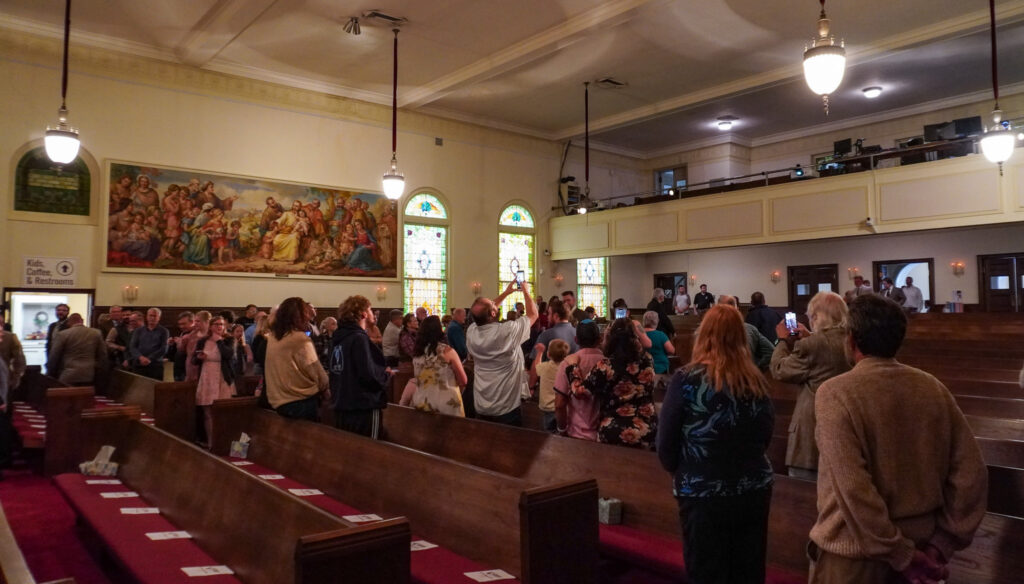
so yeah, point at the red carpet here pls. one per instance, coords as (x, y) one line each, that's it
(44, 526)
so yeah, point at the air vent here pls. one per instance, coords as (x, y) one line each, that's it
(610, 83)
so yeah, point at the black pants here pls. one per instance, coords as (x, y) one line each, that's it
(725, 539)
(513, 418)
(303, 409)
(154, 370)
(364, 422)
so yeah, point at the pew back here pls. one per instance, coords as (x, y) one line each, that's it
(172, 404)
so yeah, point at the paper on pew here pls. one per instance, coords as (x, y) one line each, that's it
(241, 462)
(362, 518)
(305, 492)
(162, 535)
(119, 495)
(139, 511)
(490, 575)
(207, 570)
(103, 482)
(420, 545)
(271, 477)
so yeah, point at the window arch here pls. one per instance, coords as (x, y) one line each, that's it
(425, 261)
(516, 251)
(592, 284)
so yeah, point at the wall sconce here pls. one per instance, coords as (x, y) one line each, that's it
(559, 278)
(476, 287)
(852, 272)
(382, 292)
(693, 279)
(958, 268)
(129, 294)
(775, 276)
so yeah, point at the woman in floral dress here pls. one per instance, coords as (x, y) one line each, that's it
(439, 376)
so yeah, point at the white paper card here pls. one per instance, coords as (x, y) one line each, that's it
(207, 570)
(102, 482)
(271, 477)
(139, 511)
(241, 463)
(124, 495)
(420, 545)
(161, 535)
(40, 426)
(362, 518)
(305, 492)
(490, 575)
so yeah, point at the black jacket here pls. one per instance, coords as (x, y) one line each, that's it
(357, 374)
(664, 324)
(227, 357)
(765, 319)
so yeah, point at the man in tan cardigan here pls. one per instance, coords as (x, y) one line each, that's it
(901, 483)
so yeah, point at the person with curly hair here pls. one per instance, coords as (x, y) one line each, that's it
(359, 378)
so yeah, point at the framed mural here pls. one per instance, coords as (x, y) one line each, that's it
(187, 221)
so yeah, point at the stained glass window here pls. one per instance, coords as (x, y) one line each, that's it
(592, 281)
(424, 205)
(515, 252)
(516, 216)
(425, 271)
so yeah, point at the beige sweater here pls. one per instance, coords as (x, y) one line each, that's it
(899, 466)
(292, 369)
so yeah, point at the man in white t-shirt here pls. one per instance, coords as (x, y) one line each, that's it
(914, 298)
(498, 365)
(389, 343)
(682, 301)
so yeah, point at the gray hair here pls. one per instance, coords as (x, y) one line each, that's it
(658, 292)
(158, 311)
(650, 319)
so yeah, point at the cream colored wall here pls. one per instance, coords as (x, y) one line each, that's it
(149, 112)
(741, 271)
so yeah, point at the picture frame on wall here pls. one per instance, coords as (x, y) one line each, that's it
(162, 219)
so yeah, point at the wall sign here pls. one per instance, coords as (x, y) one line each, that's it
(43, 272)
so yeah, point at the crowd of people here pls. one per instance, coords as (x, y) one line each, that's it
(897, 494)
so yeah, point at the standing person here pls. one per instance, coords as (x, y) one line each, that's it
(438, 373)
(498, 363)
(359, 378)
(914, 297)
(661, 346)
(623, 385)
(243, 358)
(809, 358)
(407, 337)
(295, 381)
(763, 317)
(148, 347)
(703, 300)
(259, 344)
(559, 328)
(715, 427)
(543, 374)
(176, 351)
(890, 291)
(249, 318)
(657, 304)
(12, 355)
(6, 428)
(392, 333)
(860, 288)
(681, 303)
(456, 333)
(214, 355)
(62, 311)
(200, 328)
(79, 353)
(322, 342)
(120, 337)
(577, 416)
(115, 319)
(903, 484)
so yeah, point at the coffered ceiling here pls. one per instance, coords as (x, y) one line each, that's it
(520, 64)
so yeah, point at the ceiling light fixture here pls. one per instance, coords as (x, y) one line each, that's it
(394, 181)
(352, 26)
(872, 92)
(726, 123)
(585, 197)
(824, 61)
(62, 142)
(998, 142)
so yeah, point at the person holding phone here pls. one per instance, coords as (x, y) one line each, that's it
(809, 358)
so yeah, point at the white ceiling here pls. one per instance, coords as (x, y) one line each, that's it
(521, 64)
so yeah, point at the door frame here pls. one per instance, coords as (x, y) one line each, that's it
(983, 285)
(876, 266)
(791, 284)
(9, 290)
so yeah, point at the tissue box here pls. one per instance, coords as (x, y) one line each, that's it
(609, 511)
(239, 449)
(96, 468)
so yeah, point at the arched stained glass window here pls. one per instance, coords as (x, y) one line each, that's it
(424, 205)
(592, 282)
(516, 216)
(516, 246)
(425, 261)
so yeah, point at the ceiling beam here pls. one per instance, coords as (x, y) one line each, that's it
(536, 47)
(221, 25)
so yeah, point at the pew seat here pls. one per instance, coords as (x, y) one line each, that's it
(13, 567)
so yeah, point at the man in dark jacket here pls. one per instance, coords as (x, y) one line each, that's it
(657, 304)
(358, 377)
(763, 317)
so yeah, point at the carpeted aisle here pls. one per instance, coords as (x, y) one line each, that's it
(44, 526)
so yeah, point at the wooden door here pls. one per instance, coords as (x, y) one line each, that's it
(806, 281)
(1002, 282)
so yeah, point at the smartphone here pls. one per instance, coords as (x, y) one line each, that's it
(309, 333)
(621, 312)
(791, 322)
(520, 278)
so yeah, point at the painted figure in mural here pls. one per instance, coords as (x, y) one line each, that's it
(286, 243)
(143, 194)
(197, 251)
(362, 257)
(120, 194)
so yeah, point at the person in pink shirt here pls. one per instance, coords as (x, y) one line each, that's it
(577, 413)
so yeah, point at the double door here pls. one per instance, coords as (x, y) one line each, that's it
(806, 281)
(1002, 282)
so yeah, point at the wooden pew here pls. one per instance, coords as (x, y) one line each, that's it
(506, 522)
(996, 428)
(265, 535)
(619, 471)
(13, 568)
(172, 404)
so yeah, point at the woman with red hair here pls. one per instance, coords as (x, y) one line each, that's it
(715, 427)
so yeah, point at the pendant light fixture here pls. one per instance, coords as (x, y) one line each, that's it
(62, 142)
(394, 181)
(824, 61)
(585, 199)
(998, 142)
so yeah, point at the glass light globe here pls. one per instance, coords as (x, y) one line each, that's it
(824, 67)
(62, 144)
(997, 145)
